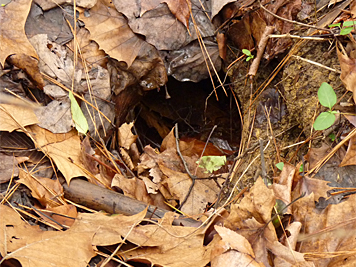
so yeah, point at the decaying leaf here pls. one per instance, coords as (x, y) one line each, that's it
(109, 29)
(350, 157)
(34, 247)
(348, 72)
(13, 39)
(179, 8)
(64, 149)
(14, 117)
(126, 137)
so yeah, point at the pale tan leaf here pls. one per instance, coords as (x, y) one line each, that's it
(34, 247)
(14, 117)
(110, 30)
(126, 137)
(40, 187)
(234, 240)
(350, 157)
(348, 72)
(126, 158)
(13, 39)
(64, 149)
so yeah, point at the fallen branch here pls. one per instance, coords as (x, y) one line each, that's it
(99, 198)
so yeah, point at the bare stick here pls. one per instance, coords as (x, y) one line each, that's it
(193, 177)
(260, 49)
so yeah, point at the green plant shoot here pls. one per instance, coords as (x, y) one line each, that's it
(212, 163)
(280, 165)
(78, 117)
(327, 98)
(248, 54)
(346, 28)
(301, 169)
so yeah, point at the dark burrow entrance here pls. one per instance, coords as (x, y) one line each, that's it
(195, 108)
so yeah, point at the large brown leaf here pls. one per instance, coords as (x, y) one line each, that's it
(34, 247)
(110, 30)
(13, 39)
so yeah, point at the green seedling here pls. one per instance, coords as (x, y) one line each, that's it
(212, 163)
(301, 168)
(332, 137)
(346, 27)
(327, 98)
(280, 165)
(248, 54)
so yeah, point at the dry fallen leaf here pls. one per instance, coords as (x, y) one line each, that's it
(63, 149)
(126, 137)
(350, 157)
(179, 8)
(348, 72)
(234, 240)
(13, 39)
(329, 235)
(14, 117)
(110, 30)
(34, 247)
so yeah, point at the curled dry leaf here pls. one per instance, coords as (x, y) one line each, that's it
(348, 72)
(179, 8)
(234, 240)
(63, 149)
(110, 30)
(126, 137)
(13, 39)
(350, 157)
(39, 188)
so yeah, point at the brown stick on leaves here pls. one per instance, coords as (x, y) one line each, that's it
(260, 49)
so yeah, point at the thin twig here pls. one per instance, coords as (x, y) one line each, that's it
(260, 50)
(206, 144)
(193, 177)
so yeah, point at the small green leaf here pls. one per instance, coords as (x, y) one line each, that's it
(326, 95)
(332, 137)
(349, 23)
(345, 31)
(324, 121)
(335, 25)
(280, 165)
(301, 169)
(80, 121)
(249, 58)
(212, 163)
(246, 52)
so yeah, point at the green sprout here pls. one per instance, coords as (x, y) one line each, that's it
(212, 163)
(280, 165)
(327, 98)
(332, 137)
(248, 54)
(346, 28)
